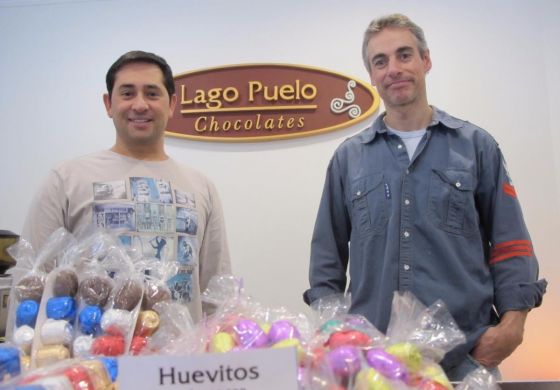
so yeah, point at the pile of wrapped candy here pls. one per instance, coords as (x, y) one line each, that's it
(80, 304)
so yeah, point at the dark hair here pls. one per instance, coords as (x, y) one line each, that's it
(141, 56)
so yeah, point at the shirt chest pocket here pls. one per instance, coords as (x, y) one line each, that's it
(369, 198)
(452, 205)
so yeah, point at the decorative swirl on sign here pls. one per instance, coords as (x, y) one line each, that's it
(340, 105)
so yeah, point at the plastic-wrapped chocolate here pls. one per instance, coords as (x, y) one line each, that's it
(98, 373)
(96, 290)
(147, 323)
(61, 308)
(30, 287)
(128, 295)
(23, 338)
(108, 345)
(117, 322)
(66, 283)
(49, 354)
(26, 313)
(90, 319)
(10, 365)
(56, 332)
(79, 377)
(81, 346)
(154, 293)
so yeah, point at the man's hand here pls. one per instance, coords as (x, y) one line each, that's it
(498, 342)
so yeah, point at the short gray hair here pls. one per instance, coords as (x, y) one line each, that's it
(393, 20)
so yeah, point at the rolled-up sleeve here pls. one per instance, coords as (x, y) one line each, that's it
(511, 256)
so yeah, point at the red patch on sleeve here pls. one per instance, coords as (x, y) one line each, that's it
(509, 249)
(509, 190)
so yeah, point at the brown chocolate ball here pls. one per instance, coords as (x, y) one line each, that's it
(154, 293)
(30, 287)
(96, 290)
(65, 283)
(128, 295)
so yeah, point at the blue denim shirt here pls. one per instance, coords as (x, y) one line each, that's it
(445, 225)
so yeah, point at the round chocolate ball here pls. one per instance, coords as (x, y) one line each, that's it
(96, 290)
(30, 287)
(65, 283)
(154, 293)
(128, 295)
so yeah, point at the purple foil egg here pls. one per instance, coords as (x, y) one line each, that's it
(281, 330)
(387, 364)
(345, 360)
(357, 322)
(250, 335)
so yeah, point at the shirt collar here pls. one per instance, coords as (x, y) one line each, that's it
(438, 116)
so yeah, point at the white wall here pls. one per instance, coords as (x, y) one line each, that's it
(495, 63)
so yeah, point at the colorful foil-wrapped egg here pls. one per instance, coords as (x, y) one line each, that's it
(370, 379)
(344, 361)
(147, 323)
(90, 319)
(108, 345)
(61, 308)
(116, 322)
(138, 344)
(221, 342)
(50, 354)
(26, 313)
(348, 337)
(407, 353)
(79, 377)
(249, 334)
(281, 330)
(387, 364)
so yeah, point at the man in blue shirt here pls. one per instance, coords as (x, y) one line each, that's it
(423, 202)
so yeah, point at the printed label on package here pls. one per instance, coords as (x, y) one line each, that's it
(272, 369)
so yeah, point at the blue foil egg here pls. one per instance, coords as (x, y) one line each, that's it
(61, 308)
(90, 320)
(112, 366)
(9, 362)
(26, 313)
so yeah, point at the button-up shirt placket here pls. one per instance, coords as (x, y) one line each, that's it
(405, 238)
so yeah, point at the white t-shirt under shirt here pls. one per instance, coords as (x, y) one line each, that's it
(411, 139)
(162, 208)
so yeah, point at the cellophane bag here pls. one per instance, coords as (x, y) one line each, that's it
(240, 322)
(95, 289)
(30, 274)
(417, 339)
(176, 333)
(57, 313)
(95, 285)
(69, 374)
(156, 291)
(479, 379)
(118, 320)
(336, 357)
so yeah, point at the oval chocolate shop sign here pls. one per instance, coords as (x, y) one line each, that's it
(265, 102)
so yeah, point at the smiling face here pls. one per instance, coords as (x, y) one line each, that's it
(140, 108)
(398, 69)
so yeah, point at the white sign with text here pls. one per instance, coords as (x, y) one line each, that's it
(272, 369)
